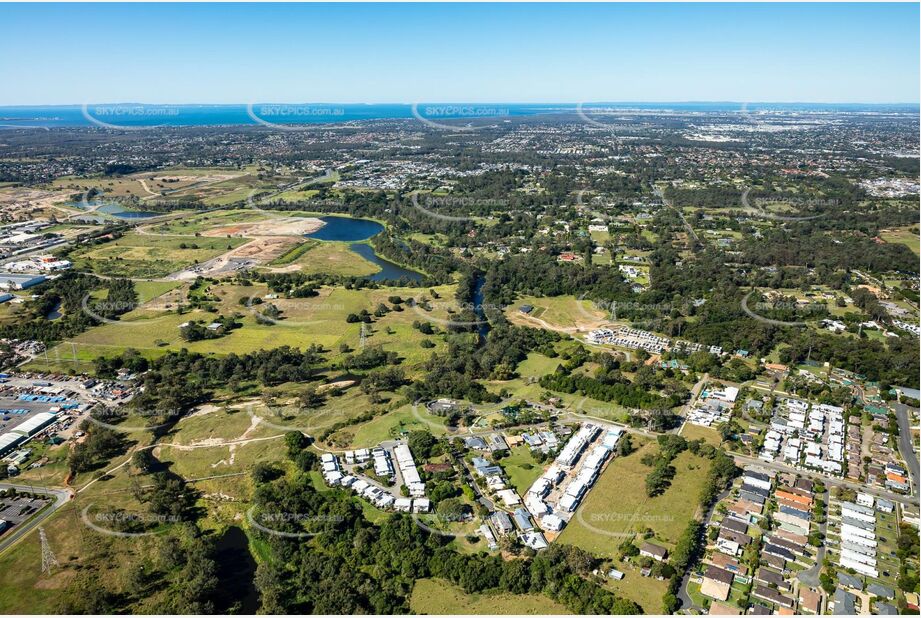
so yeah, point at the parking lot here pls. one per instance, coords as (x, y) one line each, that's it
(14, 511)
(14, 412)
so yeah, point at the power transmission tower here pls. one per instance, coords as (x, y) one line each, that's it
(48, 559)
(362, 337)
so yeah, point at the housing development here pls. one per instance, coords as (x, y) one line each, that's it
(455, 358)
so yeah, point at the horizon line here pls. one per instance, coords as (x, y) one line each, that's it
(482, 102)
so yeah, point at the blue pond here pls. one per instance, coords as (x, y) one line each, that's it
(115, 209)
(345, 229)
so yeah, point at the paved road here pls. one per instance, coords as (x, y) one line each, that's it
(810, 576)
(695, 391)
(828, 481)
(686, 601)
(906, 446)
(61, 497)
(661, 195)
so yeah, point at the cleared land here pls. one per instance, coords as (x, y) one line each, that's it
(645, 591)
(618, 507)
(334, 258)
(142, 256)
(708, 434)
(388, 426)
(560, 313)
(522, 469)
(903, 236)
(526, 387)
(304, 321)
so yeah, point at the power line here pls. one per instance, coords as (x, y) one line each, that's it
(48, 559)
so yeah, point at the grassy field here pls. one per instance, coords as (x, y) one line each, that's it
(600, 237)
(319, 320)
(433, 596)
(75, 543)
(200, 222)
(297, 195)
(708, 434)
(617, 507)
(526, 387)
(148, 290)
(203, 183)
(294, 253)
(390, 425)
(80, 542)
(141, 256)
(334, 258)
(903, 236)
(647, 592)
(537, 365)
(521, 468)
(557, 311)
(284, 414)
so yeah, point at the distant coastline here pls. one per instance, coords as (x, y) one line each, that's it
(139, 115)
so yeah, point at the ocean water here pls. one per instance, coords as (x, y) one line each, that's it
(138, 115)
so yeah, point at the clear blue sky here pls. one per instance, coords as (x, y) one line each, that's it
(376, 53)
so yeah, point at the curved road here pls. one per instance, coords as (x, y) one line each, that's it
(61, 497)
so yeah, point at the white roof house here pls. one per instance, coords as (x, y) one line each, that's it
(864, 499)
(569, 503)
(551, 522)
(509, 497)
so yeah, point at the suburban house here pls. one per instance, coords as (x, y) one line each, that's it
(653, 551)
(716, 583)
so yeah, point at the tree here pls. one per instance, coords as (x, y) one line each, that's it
(264, 472)
(295, 441)
(451, 509)
(311, 398)
(422, 444)
(625, 446)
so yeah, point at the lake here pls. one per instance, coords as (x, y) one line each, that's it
(115, 209)
(346, 229)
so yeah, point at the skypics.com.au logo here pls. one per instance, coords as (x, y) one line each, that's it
(131, 116)
(471, 207)
(450, 117)
(288, 117)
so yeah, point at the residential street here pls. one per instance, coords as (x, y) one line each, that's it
(905, 444)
